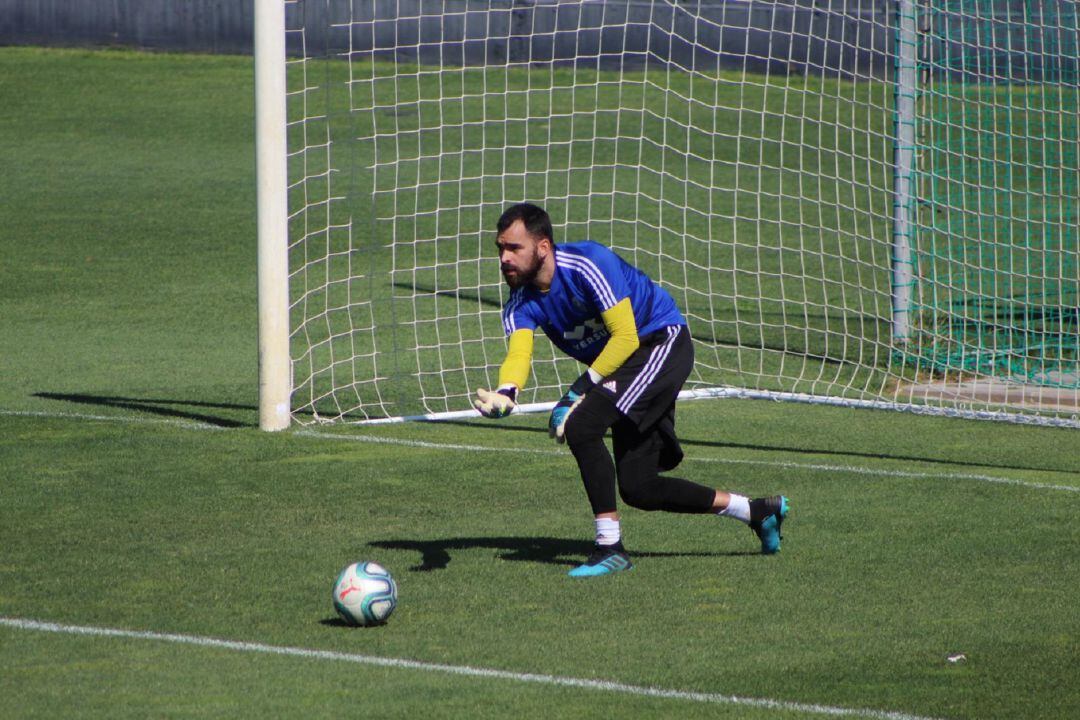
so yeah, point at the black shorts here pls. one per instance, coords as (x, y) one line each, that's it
(645, 387)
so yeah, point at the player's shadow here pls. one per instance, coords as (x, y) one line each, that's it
(435, 554)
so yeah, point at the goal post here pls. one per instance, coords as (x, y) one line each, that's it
(854, 202)
(904, 197)
(275, 380)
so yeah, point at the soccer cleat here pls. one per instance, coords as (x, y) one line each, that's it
(766, 516)
(603, 560)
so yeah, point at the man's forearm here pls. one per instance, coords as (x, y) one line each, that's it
(515, 368)
(623, 340)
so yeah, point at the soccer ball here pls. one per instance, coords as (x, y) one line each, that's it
(365, 594)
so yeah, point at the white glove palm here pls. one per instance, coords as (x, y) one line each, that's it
(496, 403)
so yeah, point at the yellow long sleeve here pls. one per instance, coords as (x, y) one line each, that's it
(620, 323)
(515, 368)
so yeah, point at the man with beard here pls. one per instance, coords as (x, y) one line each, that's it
(609, 315)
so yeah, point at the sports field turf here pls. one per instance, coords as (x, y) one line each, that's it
(137, 495)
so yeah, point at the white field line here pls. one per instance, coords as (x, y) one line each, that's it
(854, 469)
(463, 670)
(177, 422)
(880, 472)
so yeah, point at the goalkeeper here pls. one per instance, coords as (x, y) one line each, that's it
(605, 313)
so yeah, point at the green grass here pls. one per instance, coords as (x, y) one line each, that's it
(127, 292)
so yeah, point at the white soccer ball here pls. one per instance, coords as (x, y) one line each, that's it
(365, 594)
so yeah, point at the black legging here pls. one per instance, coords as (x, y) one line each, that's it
(636, 458)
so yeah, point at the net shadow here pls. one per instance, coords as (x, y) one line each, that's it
(486, 426)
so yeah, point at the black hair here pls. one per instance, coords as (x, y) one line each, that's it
(536, 220)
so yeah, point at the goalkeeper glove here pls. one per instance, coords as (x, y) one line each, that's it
(569, 402)
(496, 403)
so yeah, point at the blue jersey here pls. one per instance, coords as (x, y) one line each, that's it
(589, 279)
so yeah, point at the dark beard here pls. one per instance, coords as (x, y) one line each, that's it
(526, 276)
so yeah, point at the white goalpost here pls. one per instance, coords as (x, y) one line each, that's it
(855, 202)
(275, 381)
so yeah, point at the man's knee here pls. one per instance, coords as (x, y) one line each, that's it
(638, 495)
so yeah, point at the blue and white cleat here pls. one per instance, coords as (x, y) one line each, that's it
(766, 517)
(604, 560)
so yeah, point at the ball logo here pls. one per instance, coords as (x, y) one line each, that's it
(352, 588)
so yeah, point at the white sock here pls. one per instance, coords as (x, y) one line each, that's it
(738, 507)
(607, 531)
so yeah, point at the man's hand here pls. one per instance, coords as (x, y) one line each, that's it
(573, 397)
(496, 403)
(560, 413)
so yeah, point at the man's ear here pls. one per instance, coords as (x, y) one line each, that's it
(543, 248)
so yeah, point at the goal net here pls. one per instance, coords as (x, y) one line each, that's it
(853, 201)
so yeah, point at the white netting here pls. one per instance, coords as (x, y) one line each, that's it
(741, 153)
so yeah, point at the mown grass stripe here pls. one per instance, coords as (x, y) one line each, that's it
(854, 469)
(858, 470)
(463, 670)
